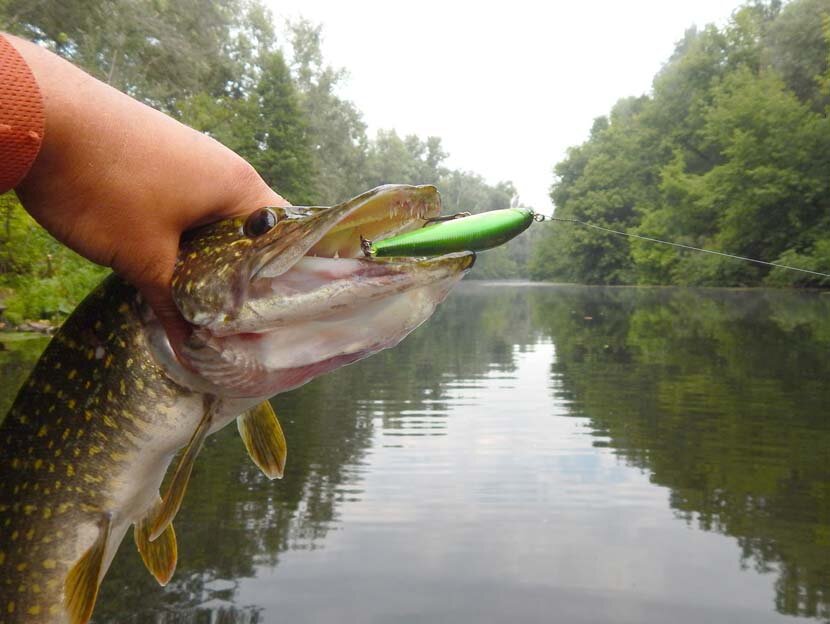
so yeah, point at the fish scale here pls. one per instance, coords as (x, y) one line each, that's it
(104, 393)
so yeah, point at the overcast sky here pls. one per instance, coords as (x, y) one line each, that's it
(508, 86)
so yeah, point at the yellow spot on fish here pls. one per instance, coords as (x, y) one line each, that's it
(36, 588)
(15, 535)
(87, 415)
(22, 566)
(72, 374)
(70, 471)
(38, 464)
(94, 450)
(2, 557)
(49, 564)
(123, 308)
(30, 534)
(42, 431)
(54, 609)
(63, 508)
(71, 404)
(47, 513)
(122, 387)
(10, 606)
(66, 433)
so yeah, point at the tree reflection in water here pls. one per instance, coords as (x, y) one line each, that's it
(722, 396)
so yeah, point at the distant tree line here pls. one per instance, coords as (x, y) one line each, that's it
(731, 152)
(219, 67)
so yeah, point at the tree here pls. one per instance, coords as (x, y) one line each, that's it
(335, 128)
(155, 50)
(729, 152)
(410, 160)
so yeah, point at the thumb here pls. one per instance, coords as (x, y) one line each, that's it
(160, 299)
(153, 279)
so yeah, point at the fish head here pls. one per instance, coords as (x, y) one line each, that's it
(283, 295)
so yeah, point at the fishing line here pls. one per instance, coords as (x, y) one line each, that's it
(541, 217)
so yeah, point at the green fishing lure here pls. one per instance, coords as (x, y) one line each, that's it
(468, 233)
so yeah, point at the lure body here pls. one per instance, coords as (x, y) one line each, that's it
(474, 233)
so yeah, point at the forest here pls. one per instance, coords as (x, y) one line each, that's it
(729, 151)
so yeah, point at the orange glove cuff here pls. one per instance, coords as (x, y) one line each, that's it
(22, 121)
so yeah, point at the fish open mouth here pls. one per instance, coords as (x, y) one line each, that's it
(313, 301)
(321, 271)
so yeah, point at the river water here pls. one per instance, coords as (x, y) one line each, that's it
(531, 454)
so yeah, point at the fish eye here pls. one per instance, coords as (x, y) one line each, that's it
(259, 222)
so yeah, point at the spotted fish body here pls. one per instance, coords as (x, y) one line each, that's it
(87, 443)
(85, 419)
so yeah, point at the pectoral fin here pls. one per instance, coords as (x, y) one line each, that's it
(172, 500)
(81, 584)
(263, 437)
(159, 556)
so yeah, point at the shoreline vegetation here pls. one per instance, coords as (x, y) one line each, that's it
(729, 151)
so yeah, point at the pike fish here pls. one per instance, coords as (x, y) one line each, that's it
(276, 299)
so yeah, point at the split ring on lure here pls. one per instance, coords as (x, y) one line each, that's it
(465, 233)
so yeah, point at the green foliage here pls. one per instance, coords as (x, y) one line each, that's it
(335, 128)
(730, 152)
(45, 279)
(155, 50)
(409, 160)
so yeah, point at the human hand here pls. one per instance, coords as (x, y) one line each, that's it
(118, 181)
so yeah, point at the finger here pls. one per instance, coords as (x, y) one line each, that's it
(161, 300)
(152, 275)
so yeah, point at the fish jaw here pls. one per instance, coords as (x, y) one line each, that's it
(341, 330)
(309, 301)
(218, 262)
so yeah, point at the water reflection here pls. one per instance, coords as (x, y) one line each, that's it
(614, 455)
(723, 398)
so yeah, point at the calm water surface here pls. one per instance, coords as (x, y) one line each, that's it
(532, 454)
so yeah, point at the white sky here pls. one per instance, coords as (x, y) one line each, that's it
(508, 86)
